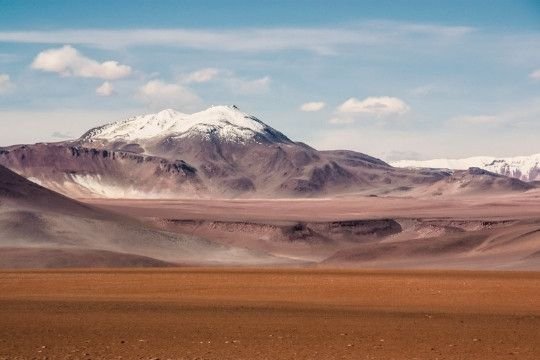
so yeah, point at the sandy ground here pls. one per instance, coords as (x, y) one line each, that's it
(511, 206)
(268, 314)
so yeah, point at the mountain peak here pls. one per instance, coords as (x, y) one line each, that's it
(167, 114)
(226, 123)
(526, 168)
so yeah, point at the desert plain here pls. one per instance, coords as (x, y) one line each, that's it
(242, 313)
(447, 302)
(344, 277)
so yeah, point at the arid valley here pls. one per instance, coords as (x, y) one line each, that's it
(345, 278)
(416, 264)
(269, 180)
(501, 232)
(201, 313)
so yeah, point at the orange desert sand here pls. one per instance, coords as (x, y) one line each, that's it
(195, 313)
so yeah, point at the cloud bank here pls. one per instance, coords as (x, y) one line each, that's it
(201, 76)
(105, 89)
(312, 106)
(318, 40)
(378, 106)
(158, 94)
(68, 61)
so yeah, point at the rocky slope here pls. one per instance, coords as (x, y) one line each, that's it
(40, 228)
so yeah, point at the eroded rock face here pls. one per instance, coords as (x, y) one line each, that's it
(350, 231)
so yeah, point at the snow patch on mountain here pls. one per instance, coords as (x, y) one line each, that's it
(526, 168)
(95, 186)
(226, 122)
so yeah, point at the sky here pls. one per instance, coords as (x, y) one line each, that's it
(411, 79)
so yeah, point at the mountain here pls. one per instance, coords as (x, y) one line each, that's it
(526, 168)
(221, 123)
(40, 228)
(219, 152)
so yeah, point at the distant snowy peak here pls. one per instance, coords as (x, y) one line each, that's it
(227, 123)
(526, 168)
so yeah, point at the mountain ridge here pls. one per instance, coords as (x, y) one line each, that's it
(221, 152)
(526, 168)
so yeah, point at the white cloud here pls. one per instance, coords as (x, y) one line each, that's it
(535, 75)
(68, 61)
(255, 86)
(341, 120)
(105, 89)
(229, 80)
(371, 107)
(477, 120)
(5, 83)
(201, 76)
(437, 89)
(312, 106)
(378, 106)
(158, 94)
(426, 29)
(318, 40)
(424, 90)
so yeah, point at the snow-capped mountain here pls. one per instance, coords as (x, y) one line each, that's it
(221, 152)
(226, 123)
(526, 168)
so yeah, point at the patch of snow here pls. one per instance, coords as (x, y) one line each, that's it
(95, 186)
(526, 168)
(227, 122)
(35, 180)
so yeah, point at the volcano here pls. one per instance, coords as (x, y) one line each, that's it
(222, 152)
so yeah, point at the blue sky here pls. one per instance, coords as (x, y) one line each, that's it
(395, 79)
